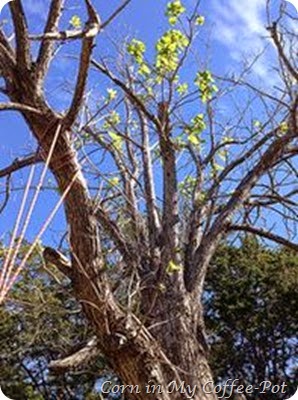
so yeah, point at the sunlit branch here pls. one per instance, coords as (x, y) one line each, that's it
(20, 163)
(21, 31)
(18, 107)
(47, 46)
(265, 234)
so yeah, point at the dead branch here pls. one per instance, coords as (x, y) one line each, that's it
(83, 357)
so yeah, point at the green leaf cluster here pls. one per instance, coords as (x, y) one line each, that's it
(168, 48)
(200, 20)
(112, 94)
(75, 22)
(182, 88)
(205, 82)
(186, 186)
(112, 121)
(137, 48)
(117, 140)
(174, 10)
(173, 268)
(195, 129)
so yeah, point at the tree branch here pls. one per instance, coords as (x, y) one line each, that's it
(21, 31)
(153, 217)
(115, 14)
(47, 46)
(85, 356)
(54, 257)
(136, 101)
(91, 31)
(194, 274)
(19, 164)
(112, 229)
(18, 107)
(170, 217)
(274, 34)
(265, 234)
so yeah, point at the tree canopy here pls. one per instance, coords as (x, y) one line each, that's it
(157, 161)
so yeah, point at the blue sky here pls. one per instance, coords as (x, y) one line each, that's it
(237, 33)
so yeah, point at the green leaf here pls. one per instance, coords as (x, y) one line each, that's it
(117, 140)
(168, 48)
(172, 268)
(193, 138)
(182, 88)
(144, 69)
(174, 10)
(112, 120)
(75, 22)
(136, 48)
(200, 20)
(283, 127)
(114, 181)
(205, 83)
(112, 94)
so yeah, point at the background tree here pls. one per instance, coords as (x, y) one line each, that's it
(41, 322)
(258, 284)
(160, 137)
(253, 281)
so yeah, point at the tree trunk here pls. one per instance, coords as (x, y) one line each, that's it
(172, 351)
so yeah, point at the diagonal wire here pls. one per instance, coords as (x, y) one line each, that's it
(16, 228)
(30, 211)
(38, 236)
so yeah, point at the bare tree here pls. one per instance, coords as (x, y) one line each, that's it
(171, 187)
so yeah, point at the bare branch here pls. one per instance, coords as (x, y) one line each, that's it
(47, 46)
(265, 234)
(91, 31)
(54, 257)
(277, 41)
(19, 107)
(84, 356)
(170, 187)
(112, 229)
(20, 163)
(115, 14)
(21, 31)
(7, 193)
(5, 43)
(132, 96)
(153, 217)
(195, 273)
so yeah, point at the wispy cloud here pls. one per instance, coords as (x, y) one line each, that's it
(240, 27)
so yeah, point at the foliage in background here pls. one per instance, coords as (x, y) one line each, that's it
(252, 316)
(42, 322)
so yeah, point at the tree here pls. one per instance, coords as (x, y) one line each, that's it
(257, 283)
(158, 157)
(241, 280)
(40, 323)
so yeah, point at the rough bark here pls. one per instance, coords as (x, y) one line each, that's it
(167, 342)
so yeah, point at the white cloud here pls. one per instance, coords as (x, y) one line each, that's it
(241, 28)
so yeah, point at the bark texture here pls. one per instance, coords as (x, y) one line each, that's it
(165, 342)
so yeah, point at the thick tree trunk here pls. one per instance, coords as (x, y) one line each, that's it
(168, 353)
